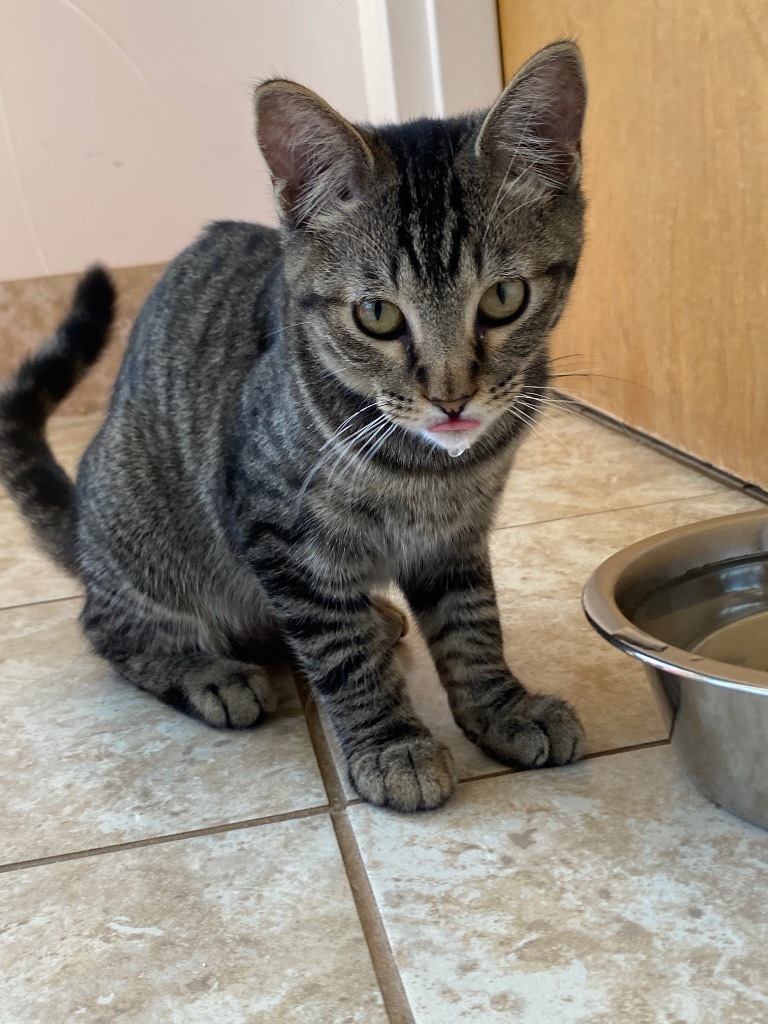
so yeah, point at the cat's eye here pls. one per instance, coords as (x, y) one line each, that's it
(503, 301)
(379, 318)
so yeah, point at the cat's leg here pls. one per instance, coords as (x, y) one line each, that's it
(344, 643)
(457, 612)
(221, 691)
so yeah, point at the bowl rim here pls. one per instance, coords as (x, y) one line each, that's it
(670, 554)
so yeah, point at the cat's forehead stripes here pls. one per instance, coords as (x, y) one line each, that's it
(432, 218)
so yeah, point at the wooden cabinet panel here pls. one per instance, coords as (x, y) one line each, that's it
(671, 303)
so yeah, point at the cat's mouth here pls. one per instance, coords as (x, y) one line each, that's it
(455, 423)
(454, 434)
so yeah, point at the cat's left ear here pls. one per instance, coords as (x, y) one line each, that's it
(319, 162)
(535, 126)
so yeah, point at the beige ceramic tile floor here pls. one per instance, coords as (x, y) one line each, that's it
(154, 870)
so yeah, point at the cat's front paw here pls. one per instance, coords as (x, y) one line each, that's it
(411, 774)
(226, 695)
(531, 731)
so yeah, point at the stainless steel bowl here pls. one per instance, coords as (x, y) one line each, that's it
(692, 605)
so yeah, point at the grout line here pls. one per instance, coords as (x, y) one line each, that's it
(587, 757)
(333, 784)
(390, 983)
(36, 604)
(618, 508)
(497, 774)
(388, 977)
(138, 844)
(628, 750)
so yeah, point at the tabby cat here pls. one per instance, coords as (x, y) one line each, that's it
(308, 415)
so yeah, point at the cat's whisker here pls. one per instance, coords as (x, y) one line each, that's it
(536, 426)
(350, 454)
(362, 454)
(541, 392)
(547, 410)
(336, 435)
(545, 394)
(333, 371)
(553, 412)
(286, 327)
(347, 448)
(330, 372)
(562, 362)
(372, 455)
(381, 424)
(526, 418)
(550, 406)
(368, 457)
(604, 376)
(566, 355)
(344, 445)
(338, 448)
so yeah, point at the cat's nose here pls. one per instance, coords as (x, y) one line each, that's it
(452, 406)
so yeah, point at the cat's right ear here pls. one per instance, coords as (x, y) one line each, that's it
(535, 126)
(318, 161)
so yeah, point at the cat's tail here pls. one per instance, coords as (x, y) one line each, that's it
(41, 489)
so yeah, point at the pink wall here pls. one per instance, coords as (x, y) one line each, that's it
(126, 124)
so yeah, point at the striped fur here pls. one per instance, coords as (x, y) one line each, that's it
(266, 468)
(43, 492)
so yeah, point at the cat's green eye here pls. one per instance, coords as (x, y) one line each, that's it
(503, 301)
(379, 318)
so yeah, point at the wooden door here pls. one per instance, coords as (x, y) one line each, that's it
(670, 310)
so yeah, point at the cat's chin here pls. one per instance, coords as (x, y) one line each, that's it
(455, 443)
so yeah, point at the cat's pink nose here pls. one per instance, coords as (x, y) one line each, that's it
(452, 407)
